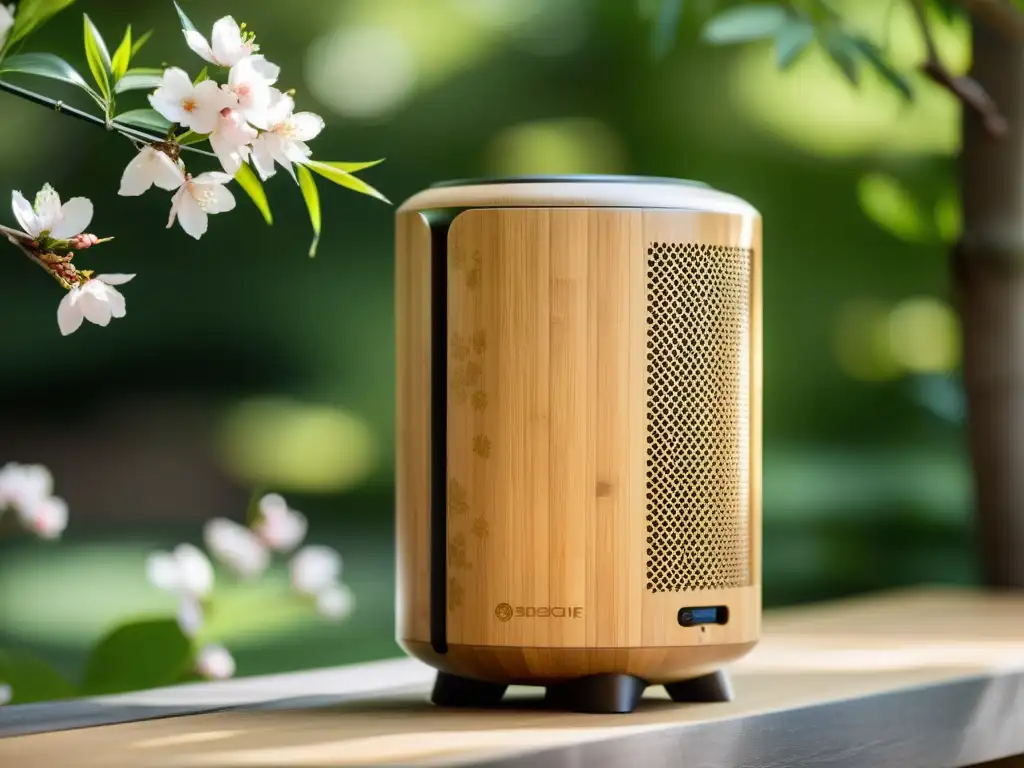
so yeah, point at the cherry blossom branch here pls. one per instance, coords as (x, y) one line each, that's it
(20, 241)
(966, 89)
(61, 108)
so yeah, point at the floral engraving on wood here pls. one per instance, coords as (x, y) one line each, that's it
(473, 269)
(480, 528)
(455, 594)
(458, 499)
(479, 401)
(457, 553)
(460, 347)
(472, 373)
(482, 446)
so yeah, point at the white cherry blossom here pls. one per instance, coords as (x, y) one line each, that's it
(215, 662)
(6, 22)
(236, 547)
(249, 84)
(335, 601)
(230, 140)
(193, 106)
(280, 527)
(151, 167)
(284, 141)
(196, 198)
(47, 216)
(96, 300)
(190, 616)
(22, 485)
(185, 570)
(314, 568)
(269, 71)
(47, 518)
(226, 46)
(28, 490)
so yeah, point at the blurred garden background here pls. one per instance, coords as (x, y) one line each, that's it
(243, 363)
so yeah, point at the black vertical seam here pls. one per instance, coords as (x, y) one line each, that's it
(440, 221)
(439, 226)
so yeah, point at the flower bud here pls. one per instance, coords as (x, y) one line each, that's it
(82, 241)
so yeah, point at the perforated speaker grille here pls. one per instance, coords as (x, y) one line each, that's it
(698, 417)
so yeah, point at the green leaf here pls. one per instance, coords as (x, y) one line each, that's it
(191, 137)
(355, 167)
(250, 182)
(148, 119)
(844, 52)
(122, 56)
(203, 75)
(98, 56)
(186, 25)
(792, 40)
(242, 612)
(32, 679)
(885, 201)
(144, 654)
(312, 198)
(44, 65)
(743, 23)
(31, 15)
(139, 79)
(337, 173)
(878, 60)
(137, 45)
(951, 9)
(665, 26)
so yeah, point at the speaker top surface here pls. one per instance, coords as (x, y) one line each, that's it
(579, 178)
(597, 191)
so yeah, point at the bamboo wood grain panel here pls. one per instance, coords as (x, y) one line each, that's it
(912, 677)
(412, 482)
(547, 430)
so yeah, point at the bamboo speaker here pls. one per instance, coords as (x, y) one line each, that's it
(579, 432)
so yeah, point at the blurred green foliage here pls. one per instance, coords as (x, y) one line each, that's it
(866, 482)
(137, 655)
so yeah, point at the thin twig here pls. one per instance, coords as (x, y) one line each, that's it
(13, 233)
(968, 90)
(62, 108)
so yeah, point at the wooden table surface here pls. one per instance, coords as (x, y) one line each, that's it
(926, 677)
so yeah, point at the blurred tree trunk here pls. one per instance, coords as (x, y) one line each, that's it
(989, 282)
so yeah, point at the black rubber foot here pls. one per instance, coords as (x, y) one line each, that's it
(455, 691)
(707, 689)
(597, 694)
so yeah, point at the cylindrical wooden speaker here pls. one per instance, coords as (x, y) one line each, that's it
(579, 437)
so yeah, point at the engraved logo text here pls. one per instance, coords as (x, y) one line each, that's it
(505, 612)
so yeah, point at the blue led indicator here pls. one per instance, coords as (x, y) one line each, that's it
(692, 617)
